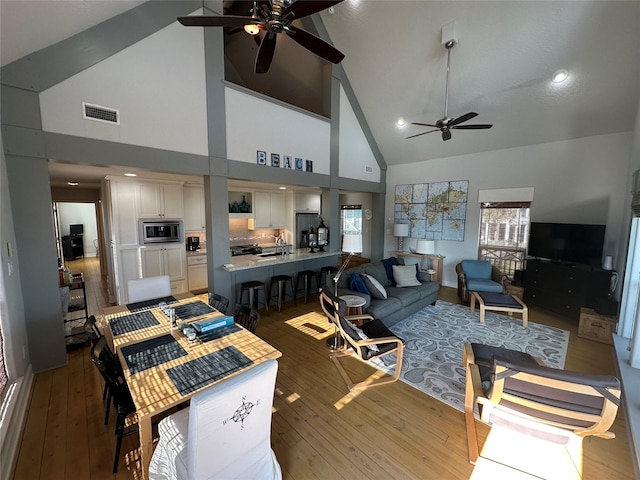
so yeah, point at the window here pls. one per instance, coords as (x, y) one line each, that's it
(350, 219)
(504, 235)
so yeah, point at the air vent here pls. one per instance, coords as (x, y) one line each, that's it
(368, 169)
(101, 114)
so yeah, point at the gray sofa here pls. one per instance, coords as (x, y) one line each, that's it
(400, 302)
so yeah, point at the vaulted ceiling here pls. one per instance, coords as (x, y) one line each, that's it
(501, 68)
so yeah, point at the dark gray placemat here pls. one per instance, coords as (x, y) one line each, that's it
(146, 304)
(132, 322)
(202, 371)
(219, 333)
(150, 353)
(193, 309)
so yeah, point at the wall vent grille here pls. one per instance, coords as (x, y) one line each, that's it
(100, 114)
(368, 169)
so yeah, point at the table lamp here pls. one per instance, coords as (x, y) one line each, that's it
(400, 230)
(351, 244)
(426, 247)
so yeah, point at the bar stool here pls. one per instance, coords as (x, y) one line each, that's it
(253, 288)
(324, 271)
(306, 276)
(281, 281)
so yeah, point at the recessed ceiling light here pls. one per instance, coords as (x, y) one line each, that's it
(560, 76)
(283, 188)
(130, 175)
(73, 184)
(401, 122)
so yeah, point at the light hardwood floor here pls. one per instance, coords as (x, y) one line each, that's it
(319, 429)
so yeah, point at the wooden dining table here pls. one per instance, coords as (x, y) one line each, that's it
(163, 369)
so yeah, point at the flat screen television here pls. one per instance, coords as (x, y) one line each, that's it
(567, 242)
(76, 229)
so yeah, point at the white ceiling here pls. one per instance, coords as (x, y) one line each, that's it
(501, 68)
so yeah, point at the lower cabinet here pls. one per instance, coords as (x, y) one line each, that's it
(197, 268)
(166, 260)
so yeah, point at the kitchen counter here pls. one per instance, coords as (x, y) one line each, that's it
(196, 252)
(245, 262)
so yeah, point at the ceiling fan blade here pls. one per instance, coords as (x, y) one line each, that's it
(265, 53)
(463, 118)
(301, 9)
(423, 133)
(315, 44)
(446, 135)
(215, 21)
(424, 124)
(479, 126)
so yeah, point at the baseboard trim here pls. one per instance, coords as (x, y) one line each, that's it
(12, 420)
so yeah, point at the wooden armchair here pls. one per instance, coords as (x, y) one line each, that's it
(542, 402)
(371, 339)
(480, 277)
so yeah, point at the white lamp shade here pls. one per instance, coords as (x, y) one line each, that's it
(401, 230)
(352, 243)
(426, 247)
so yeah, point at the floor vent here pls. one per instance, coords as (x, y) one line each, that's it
(368, 169)
(101, 114)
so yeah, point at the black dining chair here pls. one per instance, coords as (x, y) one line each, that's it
(247, 317)
(218, 302)
(101, 350)
(102, 358)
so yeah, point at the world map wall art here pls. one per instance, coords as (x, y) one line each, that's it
(435, 211)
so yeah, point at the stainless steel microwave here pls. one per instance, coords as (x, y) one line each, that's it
(165, 231)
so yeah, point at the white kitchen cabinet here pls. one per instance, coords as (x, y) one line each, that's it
(197, 270)
(166, 259)
(194, 217)
(268, 210)
(307, 202)
(123, 216)
(127, 268)
(160, 200)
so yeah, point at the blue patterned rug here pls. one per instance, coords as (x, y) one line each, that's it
(434, 337)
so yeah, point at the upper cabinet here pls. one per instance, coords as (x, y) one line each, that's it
(268, 210)
(160, 200)
(307, 202)
(194, 216)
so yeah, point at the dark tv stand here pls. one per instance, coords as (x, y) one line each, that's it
(564, 288)
(73, 247)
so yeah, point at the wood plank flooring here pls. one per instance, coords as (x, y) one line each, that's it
(319, 429)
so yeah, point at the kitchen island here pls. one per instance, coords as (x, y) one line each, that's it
(246, 268)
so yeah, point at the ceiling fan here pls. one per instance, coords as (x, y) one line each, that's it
(274, 17)
(446, 124)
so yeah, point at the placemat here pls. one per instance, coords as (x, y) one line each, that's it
(132, 322)
(146, 304)
(202, 371)
(193, 309)
(219, 333)
(153, 352)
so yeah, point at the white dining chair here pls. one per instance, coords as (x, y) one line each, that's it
(225, 433)
(141, 289)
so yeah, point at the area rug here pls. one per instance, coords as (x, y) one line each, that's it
(434, 337)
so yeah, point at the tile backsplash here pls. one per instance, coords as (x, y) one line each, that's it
(239, 234)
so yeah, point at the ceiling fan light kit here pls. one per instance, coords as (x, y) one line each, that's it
(274, 20)
(447, 123)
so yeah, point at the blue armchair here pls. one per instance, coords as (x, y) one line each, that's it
(478, 276)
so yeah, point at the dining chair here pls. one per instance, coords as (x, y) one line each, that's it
(224, 433)
(218, 302)
(370, 339)
(148, 288)
(101, 350)
(119, 392)
(247, 317)
(91, 327)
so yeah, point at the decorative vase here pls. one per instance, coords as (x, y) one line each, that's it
(244, 206)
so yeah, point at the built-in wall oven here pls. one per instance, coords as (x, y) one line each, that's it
(164, 231)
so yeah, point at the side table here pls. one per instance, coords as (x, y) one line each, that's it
(596, 326)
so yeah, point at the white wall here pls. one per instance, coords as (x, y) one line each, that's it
(157, 84)
(84, 213)
(574, 181)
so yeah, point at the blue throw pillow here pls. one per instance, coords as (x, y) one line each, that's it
(388, 263)
(356, 283)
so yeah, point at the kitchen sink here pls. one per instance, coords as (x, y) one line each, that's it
(271, 254)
